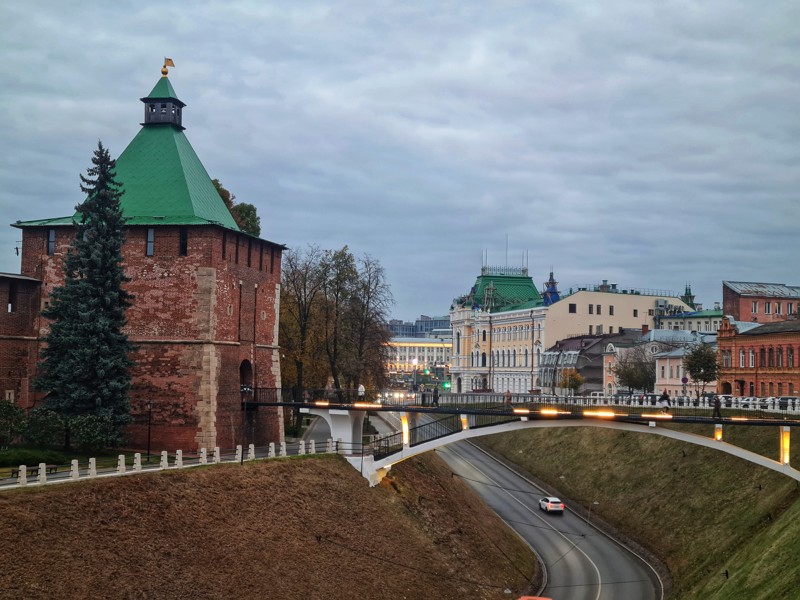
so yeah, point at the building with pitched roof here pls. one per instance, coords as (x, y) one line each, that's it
(759, 360)
(204, 317)
(497, 332)
(760, 302)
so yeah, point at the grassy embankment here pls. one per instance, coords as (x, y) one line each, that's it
(286, 528)
(700, 511)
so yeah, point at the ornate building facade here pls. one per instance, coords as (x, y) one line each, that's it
(759, 360)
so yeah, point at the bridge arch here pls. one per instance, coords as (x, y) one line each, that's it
(374, 470)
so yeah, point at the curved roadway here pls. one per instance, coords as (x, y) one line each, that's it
(581, 563)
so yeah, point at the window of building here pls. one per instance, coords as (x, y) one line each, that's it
(790, 357)
(484, 335)
(51, 242)
(771, 388)
(780, 388)
(635, 312)
(591, 309)
(763, 389)
(789, 308)
(778, 309)
(150, 246)
(662, 371)
(610, 329)
(762, 357)
(754, 307)
(771, 357)
(573, 308)
(651, 312)
(183, 248)
(611, 310)
(752, 358)
(12, 296)
(590, 327)
(741, 359)
(767, 307)
(598, 309)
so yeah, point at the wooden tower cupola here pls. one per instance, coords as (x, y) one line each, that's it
(161, 106)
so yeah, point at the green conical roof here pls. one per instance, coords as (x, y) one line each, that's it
(165, 182)
(162, 89)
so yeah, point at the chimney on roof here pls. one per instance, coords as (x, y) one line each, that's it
(604, 287)
(645, 329)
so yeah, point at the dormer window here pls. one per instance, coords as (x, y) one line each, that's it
(152, 108)
(163, 109)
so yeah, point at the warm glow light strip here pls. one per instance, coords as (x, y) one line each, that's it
(548, 411)
(740, 418)
(464, 423)
(321, 403)
(521, 411)
(363, 405)
(785, 445)
(404, 428)
(657, 416)
(599, 413)
(718, 432)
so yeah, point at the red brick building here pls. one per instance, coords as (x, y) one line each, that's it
(760, 302)
(759, 360)
(204, 318)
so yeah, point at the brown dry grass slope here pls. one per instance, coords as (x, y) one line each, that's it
(282, 529)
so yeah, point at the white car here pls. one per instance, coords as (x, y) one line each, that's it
(551, 504)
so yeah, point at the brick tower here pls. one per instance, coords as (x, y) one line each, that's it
(204, 317)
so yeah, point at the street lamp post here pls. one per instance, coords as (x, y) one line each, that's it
(149, 423)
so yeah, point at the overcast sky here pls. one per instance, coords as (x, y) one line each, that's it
(652, 144)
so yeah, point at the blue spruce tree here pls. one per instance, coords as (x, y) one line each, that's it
(85, 366)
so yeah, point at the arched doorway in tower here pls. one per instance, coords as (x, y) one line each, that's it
(249, 413)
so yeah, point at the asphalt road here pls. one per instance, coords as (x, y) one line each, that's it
(581, 562)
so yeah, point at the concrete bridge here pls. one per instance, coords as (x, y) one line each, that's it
(461, 417)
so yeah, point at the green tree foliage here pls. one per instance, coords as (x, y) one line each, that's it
(244, 214)
(85, 366)
(636, 369)
(12, 419)
(44, 428)
(700, 363)
(333, 319)
(572, 380)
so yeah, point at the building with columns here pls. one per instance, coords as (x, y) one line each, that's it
(498, 333)
(204, 318)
